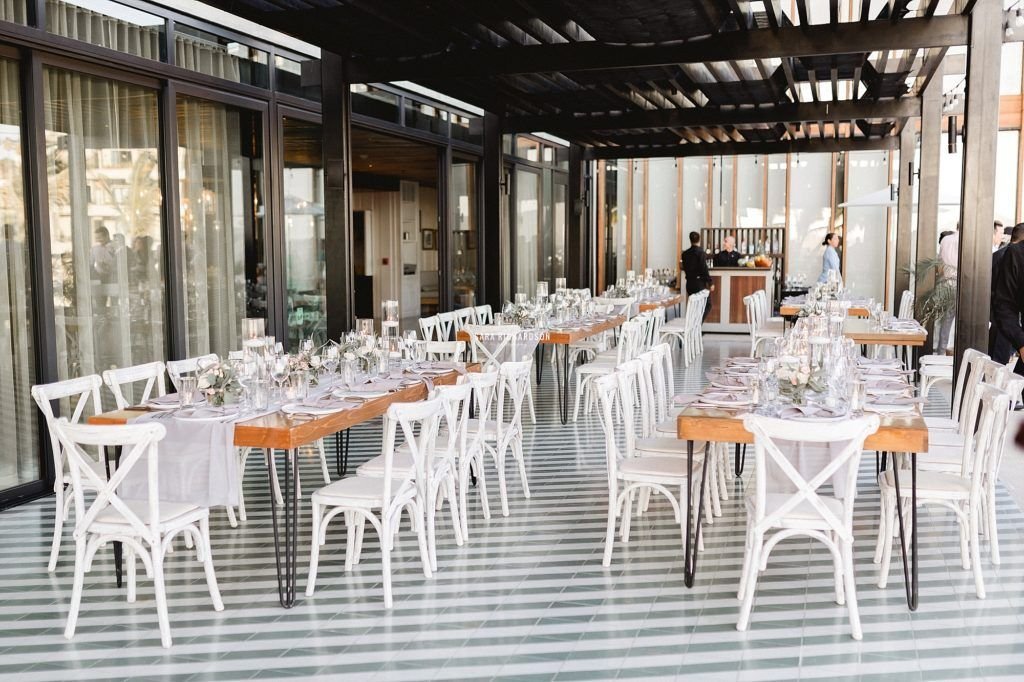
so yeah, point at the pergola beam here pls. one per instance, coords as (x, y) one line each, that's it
(713, 116)
(790, 41)
(804, 146)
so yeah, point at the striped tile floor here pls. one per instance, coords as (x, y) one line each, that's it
(526, 598)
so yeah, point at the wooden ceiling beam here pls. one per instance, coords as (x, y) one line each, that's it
(714, 116)
(804, 146)
(798, 41)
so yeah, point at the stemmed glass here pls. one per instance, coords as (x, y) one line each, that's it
(279, 373)
(331, 359)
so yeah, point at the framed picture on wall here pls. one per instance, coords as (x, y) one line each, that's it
(429, 240)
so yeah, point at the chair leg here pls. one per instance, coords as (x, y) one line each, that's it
(851, 590)
(609, 538)
(76, 589)
(350, 539)
(58, 529)
(161, 597)
(314, 549)
(211, 575)
(430, 511)
(453, 504)
(517, 449)
(385, 557)
(748, 592)
(323, 460)
(883, 529)
(974, 512)
(579, 395)
(627, 505)
(838, 566)
(529, 402)
(131, 565)
(890, 524)
(993, 530)
(421, 539)
(243, 456)
(232, 521)
(499, 462)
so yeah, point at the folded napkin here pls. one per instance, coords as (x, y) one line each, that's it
(809, 412)
(725, 398)
(895, 400)
(326, 402)
(729, 382)
(903, 325)
(886, 385)
(685, 398)
(207, 413)
(165, 400)
(377, 385)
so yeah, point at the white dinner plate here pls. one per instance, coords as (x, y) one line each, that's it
(207, 414)
(882, 408)
(358, 395)
(723, 399)
(299, 408)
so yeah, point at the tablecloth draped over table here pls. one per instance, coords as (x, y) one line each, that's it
(197, 463)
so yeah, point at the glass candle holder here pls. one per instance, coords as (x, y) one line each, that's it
(364, 326)
(560, 284)
(542, 291)
(253, 328)
(389, 319)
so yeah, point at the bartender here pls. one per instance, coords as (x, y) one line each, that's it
(728, 257)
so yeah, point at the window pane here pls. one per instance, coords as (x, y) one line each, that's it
(1010, 71)
(695, 197)
(810, 213)
(288, 78)
(867, 227)
(370, 101)
(750, 191)
(220, 57)
(106, 24)
(527, 230)
(103, 172)
(1006, 176)
(662, 199)
(221, 185)
(777, 193)
(14, 12)
(636, 222)
(467, 129)
(19, 460)
(305, 264)
(560, 213)
(425, 117)
(464, 233)
(527, 149)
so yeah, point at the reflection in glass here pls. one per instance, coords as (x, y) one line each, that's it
(464, 232)
(662, 203)
(19, 459)
(103, 173)
(221, 193)
(527, 229)
(305, 264)
(370, 101)
(106, 24)
(866, 236)
(810, 213)
(288, 78)
(426, 117)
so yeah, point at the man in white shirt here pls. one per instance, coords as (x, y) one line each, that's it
(998, 235)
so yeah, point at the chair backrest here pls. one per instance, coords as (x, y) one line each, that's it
(78, 393)
(445, 350)
(646, 380)
(464, 316)
(906, 309)
(696, 303)
(966, 381)
(987, 445)
(660, 386)
(772, 435)
(418, 423)
(151, 372)
(428, 328)
(482, 314)
(621, 306)
(445, 326)
(484, 387)
(138, 443)
(176, 368)
(670, 371)
(630, 381)
(455, 417)
(494, 345)
(764, 304)
(750, 308)
(630, 340)
(608, 390)
(513, 385)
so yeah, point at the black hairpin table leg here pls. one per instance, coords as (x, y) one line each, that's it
(118, 547)
(690, 546)
(284, 552)
(910, 574)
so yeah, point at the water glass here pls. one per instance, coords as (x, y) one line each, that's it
(260, 394)
(348, 373)
(298, 385)
(858, 395)
(520, 298)
(542, 291)
(253, 328)
(560, 285)
(187, 387)
(364, 326)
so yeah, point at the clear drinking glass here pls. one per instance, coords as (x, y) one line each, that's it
(364, 326)
(858, 394)
(187, 387)
(298, 385)
(279, 372)
(260, 394)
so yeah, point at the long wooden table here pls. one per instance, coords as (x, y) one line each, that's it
(905, 433)
(865, 333)
(654, 304)
(561, 340)
(280, 431)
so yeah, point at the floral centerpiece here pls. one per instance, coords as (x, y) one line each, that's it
(521, 314)
(361, 351)
(617, 292)
(219, 383)
(306, 362)
(796, 378)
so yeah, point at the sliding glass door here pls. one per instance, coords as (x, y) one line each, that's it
(20, 457)
(220, 177)
(463, 221)
(527, 219)
(105, 198)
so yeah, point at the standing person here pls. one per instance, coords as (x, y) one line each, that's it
(695, 267)
(997, 236)
(102, 256)
(1000, 348)
(1008, 300)
(949, 254)
(829, 259)
(728, 257)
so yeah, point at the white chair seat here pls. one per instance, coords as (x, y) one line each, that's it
(930, 484)
(935, 360)
(948, 458)
(172, 514)
(653, 468)
(944, 437)
(596, 367)
(942, 371)
(670, 446)
(357, 491)
(941, 423)
(401, 466)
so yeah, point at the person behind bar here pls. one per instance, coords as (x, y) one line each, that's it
(695, 267)
(728, 257)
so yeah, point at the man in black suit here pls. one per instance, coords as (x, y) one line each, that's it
(1000, 345)
(695, 267)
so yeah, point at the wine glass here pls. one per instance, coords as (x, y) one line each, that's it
(331, 359)
(307, 346)
(279, 372)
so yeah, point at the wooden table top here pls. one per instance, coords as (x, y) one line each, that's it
(554, 337)
(661, 303)
(285, 432)
(864, 332)
(896, 433)
(789, 310)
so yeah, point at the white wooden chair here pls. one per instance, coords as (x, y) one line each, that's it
(464, 316)
(630, 473)
(83, 400)
(482, 314)
(686, 330)
(428, 328)
(965, 383)
(380, 500)
(808, 511)
(176, 368)
(963, 493)
(447, 351)
(505, 436)
(146, 527)
(484, 385)
(629, 342)
(151, 372)
(445, 326)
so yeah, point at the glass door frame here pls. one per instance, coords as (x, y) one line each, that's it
(461, 157)
(277, 250)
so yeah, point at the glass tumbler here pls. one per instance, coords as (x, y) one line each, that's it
(187, 387)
